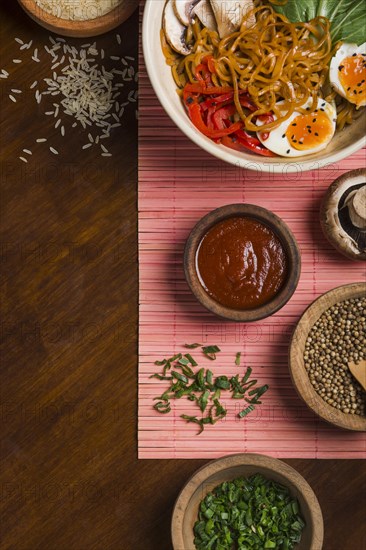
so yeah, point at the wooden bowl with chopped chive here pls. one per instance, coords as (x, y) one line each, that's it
(85, 23)
(294, 498)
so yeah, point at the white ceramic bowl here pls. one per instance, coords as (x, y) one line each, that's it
(343, 144)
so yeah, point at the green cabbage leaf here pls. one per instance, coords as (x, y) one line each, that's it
(348, 17)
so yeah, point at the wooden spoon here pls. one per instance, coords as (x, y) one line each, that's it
(359, 372)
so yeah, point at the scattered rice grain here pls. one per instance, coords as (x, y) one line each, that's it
(53, 150)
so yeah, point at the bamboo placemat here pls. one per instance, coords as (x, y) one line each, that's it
(178, 184)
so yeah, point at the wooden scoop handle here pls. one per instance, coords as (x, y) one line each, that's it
(358, 370)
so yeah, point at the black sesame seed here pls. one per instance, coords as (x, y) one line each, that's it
(294, 124)
(340, 67)
(354, 54)
(322, 110)
(316, 134)
(359, 84)
(294, 141)
(308, 108)
(348, 89)
(360, 92)
(314, 119)
(288, 151)
(284, 135)
(355, 91)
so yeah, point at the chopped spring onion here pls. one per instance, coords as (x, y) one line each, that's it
(248, 514)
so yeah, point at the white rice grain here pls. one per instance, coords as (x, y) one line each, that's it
(53, 150)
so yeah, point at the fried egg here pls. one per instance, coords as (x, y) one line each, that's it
(302, 134)
(347, 73)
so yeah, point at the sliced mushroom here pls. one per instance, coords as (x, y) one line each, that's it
(183, 9)
(229, 15)
(357, 208)
(204, 12)
(343, 214)
(175, 32)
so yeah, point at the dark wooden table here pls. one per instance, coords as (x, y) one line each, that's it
(70, 478)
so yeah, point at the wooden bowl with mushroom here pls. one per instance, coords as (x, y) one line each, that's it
(343, 214)
(85, 21)
(329, 335)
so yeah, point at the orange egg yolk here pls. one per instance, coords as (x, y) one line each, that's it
(352, 76)
(310, 130)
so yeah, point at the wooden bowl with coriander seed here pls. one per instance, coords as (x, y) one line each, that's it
(86, 20)
(331, 334)
(229, 470)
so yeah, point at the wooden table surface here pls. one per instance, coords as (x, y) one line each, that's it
(70, 477)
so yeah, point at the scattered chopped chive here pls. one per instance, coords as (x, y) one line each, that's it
(203, 388)
(162, 407)
(160, 376)
(246, 375)
(191, 360)
(246, 411)
(192, 346)
(210, 351)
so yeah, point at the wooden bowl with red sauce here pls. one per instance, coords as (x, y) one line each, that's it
(242, 262)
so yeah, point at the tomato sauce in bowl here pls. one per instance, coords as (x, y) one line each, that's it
(241, 263)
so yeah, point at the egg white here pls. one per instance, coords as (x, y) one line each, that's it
(277, 141)
(346, 50)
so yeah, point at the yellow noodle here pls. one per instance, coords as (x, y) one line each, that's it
(274, 60)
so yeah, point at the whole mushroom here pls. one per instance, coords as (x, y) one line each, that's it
(343, 214)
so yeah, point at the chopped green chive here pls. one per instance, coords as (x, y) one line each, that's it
(248, 514)
(203, 388)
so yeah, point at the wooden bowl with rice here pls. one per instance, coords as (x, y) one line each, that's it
(89, 19)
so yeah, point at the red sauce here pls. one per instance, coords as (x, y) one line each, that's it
(241, 263)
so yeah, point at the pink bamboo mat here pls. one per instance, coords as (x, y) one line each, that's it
(178, 184)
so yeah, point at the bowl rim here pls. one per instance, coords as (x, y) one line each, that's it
(281, 230)
(98, 25)
(219, 151)
(248, 459)
(299, 376)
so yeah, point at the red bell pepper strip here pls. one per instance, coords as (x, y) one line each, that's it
(245, 136)
(209, 60)
(214, 101)
(200, 88)
(202, 74)
(196, 117)
(222, 115)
